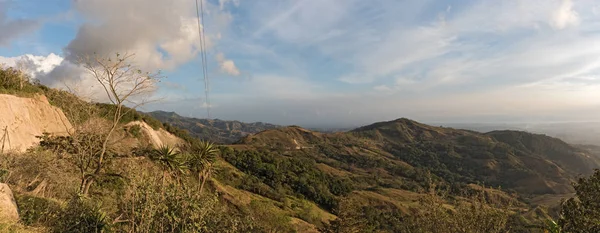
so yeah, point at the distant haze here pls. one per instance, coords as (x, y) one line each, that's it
(586, 133)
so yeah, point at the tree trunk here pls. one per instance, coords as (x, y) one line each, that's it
(116, 119)
(200, 181)
(204, 177)
(87, 186)
(82, 186)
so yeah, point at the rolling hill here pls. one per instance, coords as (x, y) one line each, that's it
(393, 164)
(389, 168)
(219, 131)
(529, 164)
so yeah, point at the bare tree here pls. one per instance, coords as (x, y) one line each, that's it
(123, 83)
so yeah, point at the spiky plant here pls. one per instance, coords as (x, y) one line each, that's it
(169, 159)
(200, 159)
(552, 227)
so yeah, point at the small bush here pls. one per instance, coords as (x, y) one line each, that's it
(13, 81)
(3, 175)
(269, 219)
(135, 131)
(82, 215)
(151, 207)
(37, 211)
(308, 213)
(108, 110)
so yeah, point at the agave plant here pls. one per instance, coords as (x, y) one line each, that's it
(169, 159)
(200, 160)
(552, 227)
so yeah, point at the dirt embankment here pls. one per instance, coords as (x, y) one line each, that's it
(159, 137)
(22, 119)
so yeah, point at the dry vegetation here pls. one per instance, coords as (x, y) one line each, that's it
(384, 178)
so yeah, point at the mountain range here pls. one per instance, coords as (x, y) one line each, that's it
(524, 162)
(219, 131)
(393, 164)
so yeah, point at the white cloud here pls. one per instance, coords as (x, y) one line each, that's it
(565, 16)
(33, 65)
(56, 72)
(139, 29)
(222, 3)
(41, 64)
(302, 21)
(389, 38)
(161, 34)
(9, 61)
(227, 66)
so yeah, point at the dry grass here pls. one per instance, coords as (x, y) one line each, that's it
(302, 226)
(332, 171)
(402, 199)
(550, 200)
(9, 227)
(40, 173)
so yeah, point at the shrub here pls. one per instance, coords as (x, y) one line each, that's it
(150, 207)
(135, 131)
(82, 215)
(431, 215)
(108, 110)
(40, 171)
(582, 213)
(307, 212)
(37, 211)
(268, 219)
(3, 175)
(13, 81)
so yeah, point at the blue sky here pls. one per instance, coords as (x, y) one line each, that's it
(333, 63)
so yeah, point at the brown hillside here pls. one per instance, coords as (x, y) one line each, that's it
(26, 118)
(525, 163)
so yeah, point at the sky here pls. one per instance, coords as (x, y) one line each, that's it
(329, 63)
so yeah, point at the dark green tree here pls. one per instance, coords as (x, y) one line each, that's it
(582, 212)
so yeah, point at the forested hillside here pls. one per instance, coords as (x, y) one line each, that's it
(516, 161)
(394, 164)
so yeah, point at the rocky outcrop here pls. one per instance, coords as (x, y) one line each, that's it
(8, 205)
(22, 119)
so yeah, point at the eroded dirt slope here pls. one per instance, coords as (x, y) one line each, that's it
(22, 119)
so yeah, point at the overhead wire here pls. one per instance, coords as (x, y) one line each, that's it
(201, 37)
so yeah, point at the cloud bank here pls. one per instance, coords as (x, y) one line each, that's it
(163, 35)
(13, 28)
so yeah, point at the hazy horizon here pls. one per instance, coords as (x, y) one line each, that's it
(456, 123)
(583, 133)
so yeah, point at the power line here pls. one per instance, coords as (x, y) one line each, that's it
(201, 37)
